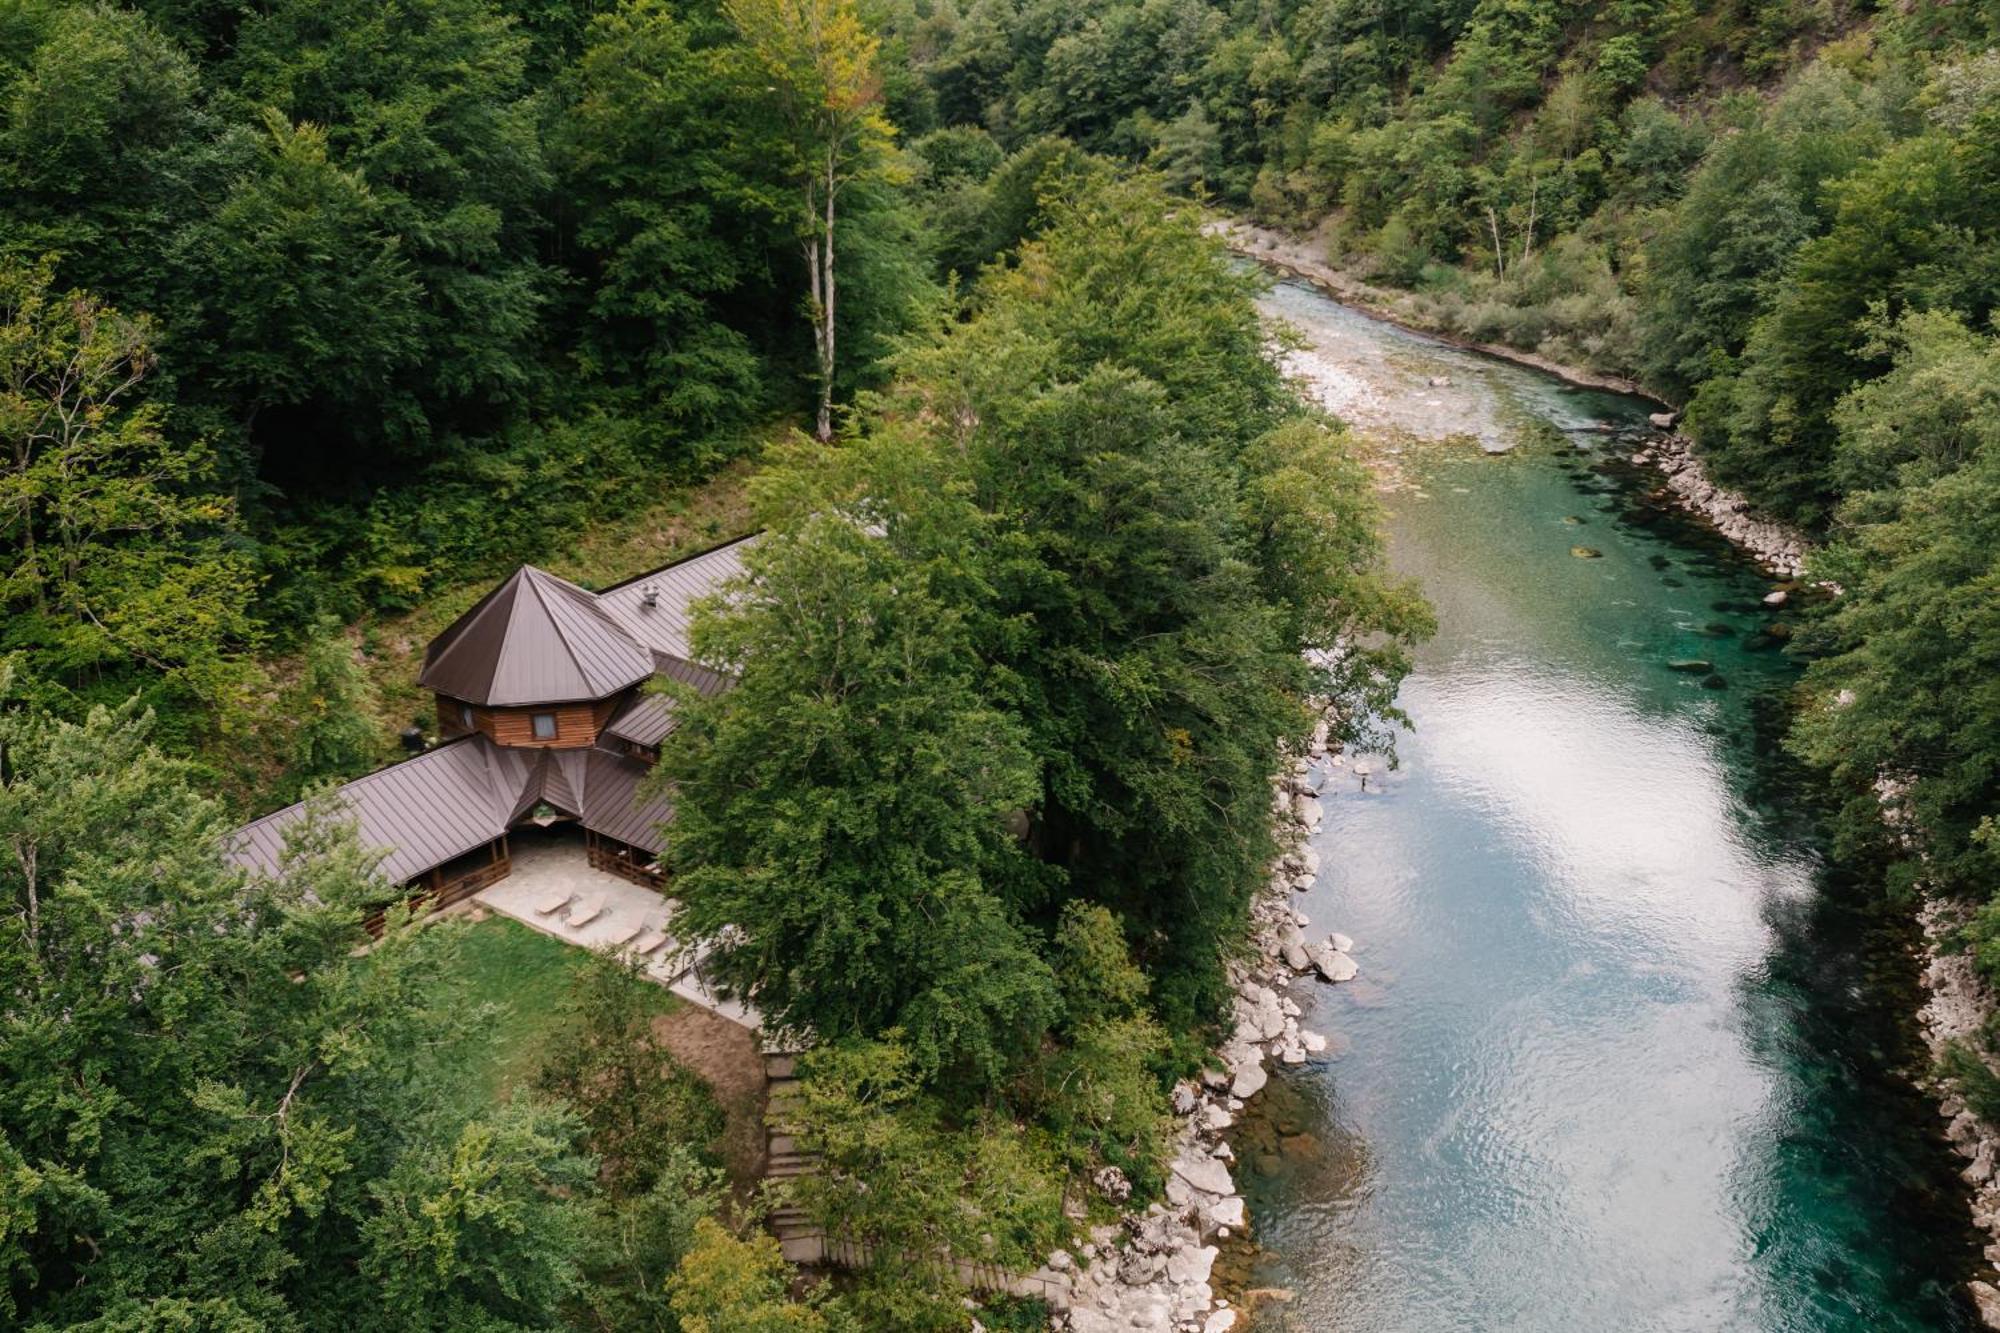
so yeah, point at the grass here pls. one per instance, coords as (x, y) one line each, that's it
(525, 976)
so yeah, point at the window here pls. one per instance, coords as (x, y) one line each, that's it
(545, 726)
(465, 716)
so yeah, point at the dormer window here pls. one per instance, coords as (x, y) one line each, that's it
(545, 726)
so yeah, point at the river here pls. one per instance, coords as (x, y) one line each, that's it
(1628, 1052)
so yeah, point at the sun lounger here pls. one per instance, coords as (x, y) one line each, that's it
(623, 933)
(649, 942)
(552, 903)
(587, 911)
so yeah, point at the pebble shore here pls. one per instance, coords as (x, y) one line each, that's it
(1152, 1273)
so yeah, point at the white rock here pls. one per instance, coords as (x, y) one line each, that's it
(1250, 1080)
(1340, 942)
(1219, 1322)
(1778, 598)
(1988, 1300)
(1203, 1172)
(1228, 1212)
(1149, 1311)
(1332, 964)
(1185, 1266)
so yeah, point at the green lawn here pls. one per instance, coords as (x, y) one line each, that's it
(525, 975)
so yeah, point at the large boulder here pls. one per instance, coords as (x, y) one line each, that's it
(1203, 1172)
(1332, 964)
(1987, 1299)
(1191, 1265)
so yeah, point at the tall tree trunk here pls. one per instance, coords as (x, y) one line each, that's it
(826, 310)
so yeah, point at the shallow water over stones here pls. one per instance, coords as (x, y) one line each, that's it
(1626, 1052)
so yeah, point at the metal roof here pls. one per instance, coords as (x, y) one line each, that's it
(647, 720)
(536, 639)
(464, 794)
(663, 626)
(421, 812)
(650, 717)
(612, 804)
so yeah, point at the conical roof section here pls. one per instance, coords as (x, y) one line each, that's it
(536, 639)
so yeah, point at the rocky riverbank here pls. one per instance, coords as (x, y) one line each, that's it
(1152, 1274)
(1778, 548)
(1956, 1009)
(1303, 258)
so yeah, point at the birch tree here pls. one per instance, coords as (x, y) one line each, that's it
(820, 63)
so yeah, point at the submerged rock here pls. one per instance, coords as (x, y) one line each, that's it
(1586, 552)
(1691, 665)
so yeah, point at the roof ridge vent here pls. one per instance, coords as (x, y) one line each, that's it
(649, 596)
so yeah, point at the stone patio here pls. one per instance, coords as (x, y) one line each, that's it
(551, 869)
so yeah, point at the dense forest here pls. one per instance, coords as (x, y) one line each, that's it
(313, 309)
(1782, 215)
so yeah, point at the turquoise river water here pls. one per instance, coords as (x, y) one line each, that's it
(1627, 1052)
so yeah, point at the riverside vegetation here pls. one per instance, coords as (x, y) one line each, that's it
(311, 312)
(1026, 645)
(1782, 214)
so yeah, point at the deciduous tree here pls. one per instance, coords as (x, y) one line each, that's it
(113, 549)
(819, 60)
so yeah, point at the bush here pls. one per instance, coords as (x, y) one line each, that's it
(1397, 257)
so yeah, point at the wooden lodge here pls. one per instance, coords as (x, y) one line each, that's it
(546, 715)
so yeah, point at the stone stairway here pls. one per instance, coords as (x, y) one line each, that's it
(801, 1240)
(805, 1244)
